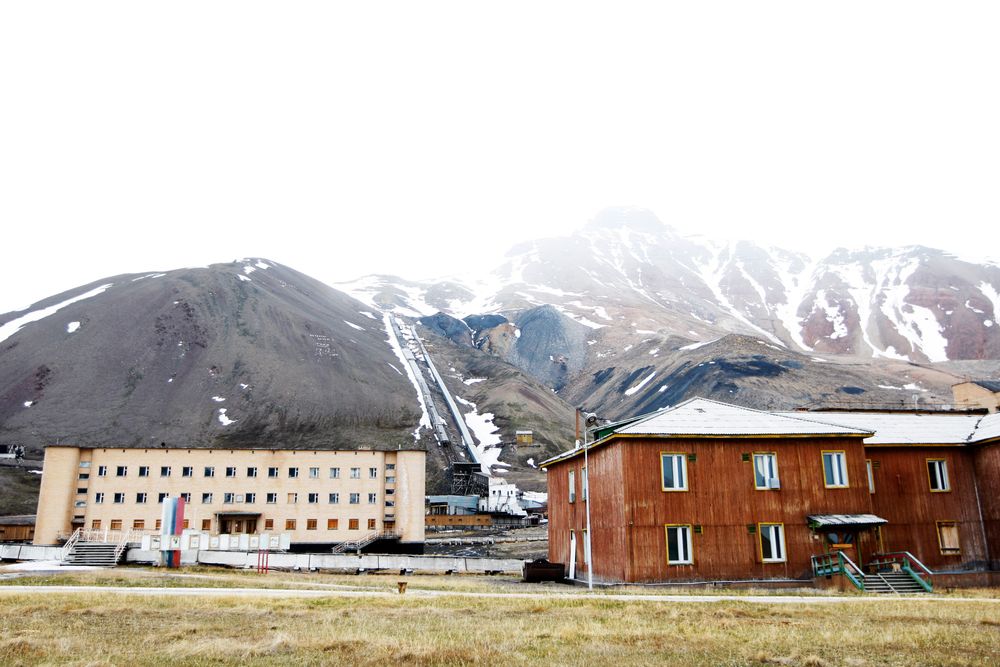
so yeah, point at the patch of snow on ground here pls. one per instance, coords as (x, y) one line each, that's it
(353, 325)
(35, 472)
(913, 386)
(45, 565)
(72, 327)
(218, 399)
(517, 332)
(644, 332)
(695, 346)
(475, 380)
(820, 360)
(394, 368)
(662, 389)
(968, 304)
(28, 404)
(987, 323)
(535, 496)
(425, 419)
(367, 314)
(991, 293)
(244, 386)
(531, 462)
(243, 278)
(889, 386)
(591, 342)
(834, 315)
(713, 280)
(655, 351)
(643, 383)
(223, 419)
(12, 327)
(262, 265)
(248, 269)
(486, 433)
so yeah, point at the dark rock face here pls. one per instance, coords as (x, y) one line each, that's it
(234, 355)
(451, 328)
(550, 346)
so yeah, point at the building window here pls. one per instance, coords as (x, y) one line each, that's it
(586, 548)
(186, 497)
(95, 524)
(102, 471)
(186, 524)
(371, 524)
(158, 523)
(679, 545)
(160, 497)
(583, 483)
(289, 524)
(272, 498)
(334, 498)
(272, 472)
(772, 542)
(268, 524)
(334, 473)
(164, 471)
(98, 498)
(765, 471)
(292, 498)
(206, 525)
(209, 471)
(230, 471)
(119, 498)
(571, 481)
(674, 471)
(355, 498)
(390, 466)
(187, 471)
(206, 499)
(390, 479)
(331, 524)
(390, 503)
(937, 472)
(138, 524)
(871, 475)
(313, 498)
(116, 524)
(311, 523)
(313, 473)
(143, 471)
(84, 464)
(835, 469)
(84, 475)
(948, 537)
(122, 471)
(352, 524)
(293, 473)
(251, 471)
(373, 473)
(140, 498)
(372, 498)
(355, 473)
(250, 498)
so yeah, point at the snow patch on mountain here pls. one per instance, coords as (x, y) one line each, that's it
(10, 328)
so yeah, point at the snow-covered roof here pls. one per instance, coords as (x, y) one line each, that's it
(988, 428)
(903, 428)
(703, 417)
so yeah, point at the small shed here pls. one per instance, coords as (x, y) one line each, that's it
(17, 528)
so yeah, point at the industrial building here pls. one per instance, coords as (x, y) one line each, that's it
(318, 498)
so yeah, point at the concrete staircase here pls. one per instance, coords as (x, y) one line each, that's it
(892, 583)
(96, 554)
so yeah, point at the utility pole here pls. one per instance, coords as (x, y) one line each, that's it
(590, 419)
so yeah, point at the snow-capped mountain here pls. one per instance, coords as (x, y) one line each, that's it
(627, 273)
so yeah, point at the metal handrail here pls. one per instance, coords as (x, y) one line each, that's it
(363, 542)
(904, 560)
(838, 563)
(70, 543)
(122, 544)
(906, 555)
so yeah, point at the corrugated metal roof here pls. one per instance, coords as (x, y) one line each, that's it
(991, 385)
(821, 520)
(702, 417)
(903, 428)
(988, 429)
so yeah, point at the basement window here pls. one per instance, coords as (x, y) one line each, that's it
(206, 525)
(948, 537)
(352, 524)
(679, 544)
(289, 524)
(310, 524)
(772, 542)
(138, 524)
(116, 524)
(331, 524)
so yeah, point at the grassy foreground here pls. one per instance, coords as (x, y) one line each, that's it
(111, 629)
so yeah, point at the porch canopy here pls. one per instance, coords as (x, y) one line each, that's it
(238, 515)
(844, 520)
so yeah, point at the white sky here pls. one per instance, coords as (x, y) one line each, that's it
(369, 137)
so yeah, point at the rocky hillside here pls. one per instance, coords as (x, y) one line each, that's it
(629, 273)
(231, 355)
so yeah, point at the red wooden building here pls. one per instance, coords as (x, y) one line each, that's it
(710, 491)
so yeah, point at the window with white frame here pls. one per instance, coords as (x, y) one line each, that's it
(870, 469)
(772, 542)
(571, 478)
(140, 497)
(835, 469)
(765, 471)
(937, 472)
(334, 473)
(355, 498)
(313, 498)
(372, 498)
(119, 498)
(674, 472)
(583, 482)
(206, 499)
(373, 473)
(679, 544)
(313, 473)
(272, 498)
(250, 497)
(98, 498)
(334, 498)
(355, 473)
(252, 471)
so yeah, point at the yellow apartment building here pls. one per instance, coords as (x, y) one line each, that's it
(318, 497)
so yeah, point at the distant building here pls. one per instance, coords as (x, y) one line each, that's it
(317, 497)
(17, 528)
(978, 394)
(524, 438)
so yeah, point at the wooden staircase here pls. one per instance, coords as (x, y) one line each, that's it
(898, 573)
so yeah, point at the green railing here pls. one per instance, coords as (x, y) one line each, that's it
(825, 565)
(905, 562)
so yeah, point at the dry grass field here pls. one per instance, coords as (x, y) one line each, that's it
(136, 629)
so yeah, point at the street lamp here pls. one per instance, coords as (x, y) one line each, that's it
(589, 420)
